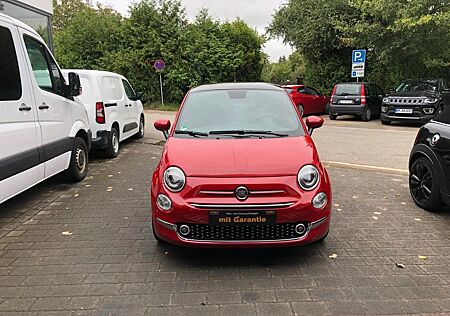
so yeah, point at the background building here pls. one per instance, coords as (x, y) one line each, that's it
(35, 13)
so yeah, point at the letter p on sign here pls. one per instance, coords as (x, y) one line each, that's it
(359, 56)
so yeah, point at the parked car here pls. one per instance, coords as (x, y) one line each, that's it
(114, 109)
(429, 164)
(417, 100)
(239, 168)
(356, 98)
(308, 100)
(42, 130)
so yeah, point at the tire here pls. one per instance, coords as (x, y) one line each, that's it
(424, 185)
(367, 115)
(141, 133)
(332, 116)
(321, 240)
(301, 109)
(79, 161)
(385, 122)
(112, 149)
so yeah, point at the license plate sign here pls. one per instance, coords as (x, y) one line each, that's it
(346, 101)
(242, 218)
(403, 111)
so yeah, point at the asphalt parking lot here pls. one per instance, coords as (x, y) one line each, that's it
(87, 248)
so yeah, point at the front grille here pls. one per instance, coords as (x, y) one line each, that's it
(236, 233)
(405, 100)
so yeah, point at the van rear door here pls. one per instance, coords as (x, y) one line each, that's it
(19, 155)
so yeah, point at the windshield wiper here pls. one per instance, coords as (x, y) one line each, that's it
(191, 133)
(247, 132)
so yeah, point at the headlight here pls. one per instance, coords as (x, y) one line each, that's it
(308, 177)
(430, 100)
(385, 100)
(320, 200)
(163, 202)
(174, 179)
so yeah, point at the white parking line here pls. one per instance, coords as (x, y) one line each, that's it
(366, 167)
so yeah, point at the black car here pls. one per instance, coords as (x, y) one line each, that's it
(429, 164)
(416, 100)
(356, 98)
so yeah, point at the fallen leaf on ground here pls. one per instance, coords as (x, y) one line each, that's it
(332, 256)
(109, 190)
(66, 233)
(130, 189)
(397, 194)
(339, 209)
(400, 265)
(110, 176)
(370, 193)
(403, 203)
(354, 197)
(377, 213)
(417, 219)
(374, 217)
(423, 257)
(336, 204)
(76, 195)
(88, 185)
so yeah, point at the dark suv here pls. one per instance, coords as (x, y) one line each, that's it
(429, 164)
(417, 100)
(356, 98)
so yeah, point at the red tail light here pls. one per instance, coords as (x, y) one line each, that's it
(332, 94)
(363, 94)
(99, 113)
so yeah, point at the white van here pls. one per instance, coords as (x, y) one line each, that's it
(115, 110)
(42, 130)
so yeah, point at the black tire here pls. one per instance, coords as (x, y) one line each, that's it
(385, 122)
(321, 240)
(79, 161)
(332, 116)
(112, 149)
(367, 115)
(424, 185)
(141, 133)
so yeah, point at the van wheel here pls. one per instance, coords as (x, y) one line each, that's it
(112, 150)
(79, 161)
(332, 116)
(367, 115)
(141, 132)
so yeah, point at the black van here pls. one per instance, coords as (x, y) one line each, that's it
(356, 98)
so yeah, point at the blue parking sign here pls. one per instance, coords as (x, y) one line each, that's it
(359, 56)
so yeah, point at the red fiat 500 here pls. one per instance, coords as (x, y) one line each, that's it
(240, 169)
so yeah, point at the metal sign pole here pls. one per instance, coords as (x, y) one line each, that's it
(161, 86)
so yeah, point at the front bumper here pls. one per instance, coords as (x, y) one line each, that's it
(347, 109)
(416, 116)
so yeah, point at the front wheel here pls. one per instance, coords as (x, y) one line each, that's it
(79, 161)
(112, 150)
(424, 185)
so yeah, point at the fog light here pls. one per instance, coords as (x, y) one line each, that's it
(300, 229)
(320, 200)
(428, 110)
(184, 230)
(164, 202)
(384, 109)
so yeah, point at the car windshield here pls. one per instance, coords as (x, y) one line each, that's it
(417, 85)
(348, 89)
(238, 113)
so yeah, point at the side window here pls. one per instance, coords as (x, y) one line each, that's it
(444, 117)
(45, 70)
(111, 89)
(128, 90)
(302, 90)
(311, 91)
(10, 84)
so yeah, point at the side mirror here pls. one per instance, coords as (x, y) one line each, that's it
(313, 122)
(163, 126)
(74, 88)
(137, 96)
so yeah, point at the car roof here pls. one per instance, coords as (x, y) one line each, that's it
(362, 82)
(13, 21)
(93, 73)
(237, 86)
(293, 86)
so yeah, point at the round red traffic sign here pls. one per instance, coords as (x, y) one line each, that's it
(159, 65)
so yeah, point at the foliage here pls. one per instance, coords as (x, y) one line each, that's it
(285, 71)
(404, 39)
(198, 52)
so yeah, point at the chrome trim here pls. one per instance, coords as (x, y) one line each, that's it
(251, 192)
(405, 117)
(216, 192)
(318, 223)
(267, 192)
(167, 224)
(233, 206)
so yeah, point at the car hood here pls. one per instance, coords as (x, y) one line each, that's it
(240, 157)
(430, 94)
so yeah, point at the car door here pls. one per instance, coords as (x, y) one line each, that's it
(53, 109)
(318, 102)
(134, 107)
(442, 145)
(116, 104)
(305, 99)
(19, 138)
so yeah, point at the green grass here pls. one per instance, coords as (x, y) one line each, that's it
(160, 107)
